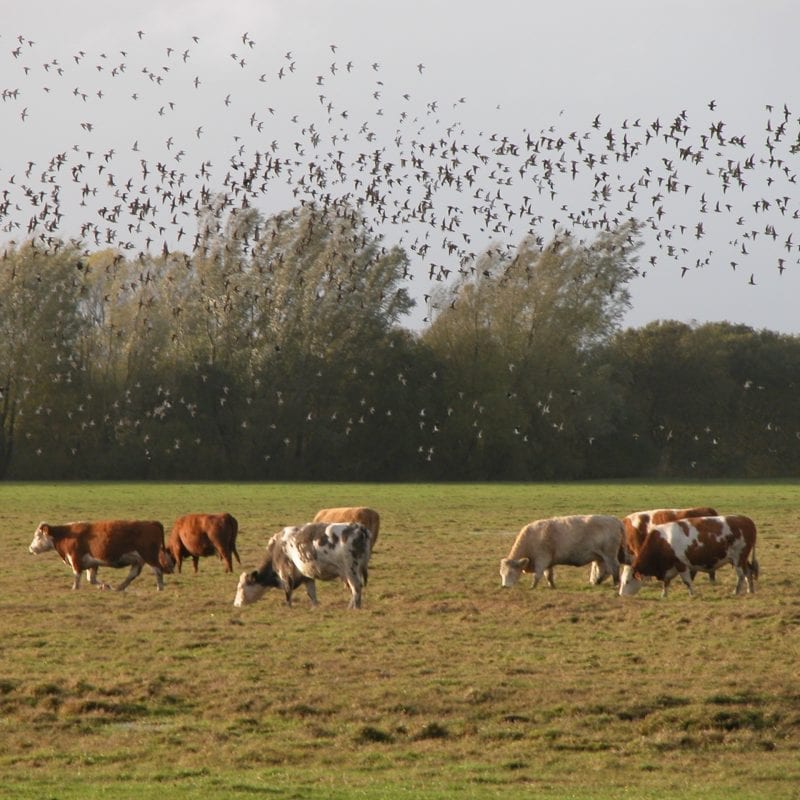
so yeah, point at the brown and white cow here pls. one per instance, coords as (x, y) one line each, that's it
(574, 540)
(637, 525)
(700, 544)
(314, 551)
(111, 543)
(368, 517)
(199, 535)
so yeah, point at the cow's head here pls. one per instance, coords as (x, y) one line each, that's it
(629, 581)
(166, 561)
(249, 589)
(511, 569)
(42, 540)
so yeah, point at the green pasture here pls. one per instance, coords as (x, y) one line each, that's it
(442, 686)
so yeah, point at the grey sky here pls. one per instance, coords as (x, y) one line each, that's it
(515, 69)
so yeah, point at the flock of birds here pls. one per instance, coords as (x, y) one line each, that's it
(126, 152)
(140, 148)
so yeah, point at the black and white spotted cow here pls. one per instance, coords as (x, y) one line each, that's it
(301, 555)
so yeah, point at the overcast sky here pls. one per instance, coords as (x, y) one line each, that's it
(129, 78)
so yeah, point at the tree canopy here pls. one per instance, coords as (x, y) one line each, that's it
(275, 350)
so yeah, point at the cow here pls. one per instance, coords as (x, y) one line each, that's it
(198, 535)
(637, 525)
(278, 571)
(699, 544)
(368, 517)
(301, 555)
(573, 540)
(111, 543)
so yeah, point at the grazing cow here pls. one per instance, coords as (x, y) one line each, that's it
(368, 517)
(278, 571)
(303, 554)
(198, 535)
(637, 525)
(690, 545)
(113, 543)
(574, 540)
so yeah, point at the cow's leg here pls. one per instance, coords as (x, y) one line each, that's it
(750, 574)
(597, 573)
(92, 573)
(543, 572)
(136, 567)
(686, 577)
(743, 577)
(550, 577)
(195, 562)
(354, 584)
(159, 573)
(224, 556)
(76, 571)
(611, 567)
(311, 589)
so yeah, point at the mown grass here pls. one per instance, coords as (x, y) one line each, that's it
(441, 684)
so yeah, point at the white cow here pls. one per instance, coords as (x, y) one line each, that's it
(573, 540)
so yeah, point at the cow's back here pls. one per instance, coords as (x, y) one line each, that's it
(109, 540)
(326, 551)
(197, 534)
(363, 515)
(575, 538)
(639, 523)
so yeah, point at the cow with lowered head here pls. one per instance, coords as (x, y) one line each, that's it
(314, 551)
(701, 544)
(574, 540)
(637, 524)
(112, 543)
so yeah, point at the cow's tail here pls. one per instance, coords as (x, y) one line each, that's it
(235, 532)
(753, 563)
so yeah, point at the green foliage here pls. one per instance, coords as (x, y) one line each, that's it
(275, 351)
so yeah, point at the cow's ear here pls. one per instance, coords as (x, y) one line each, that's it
(522, 562)
(252, 576)
(44, 528)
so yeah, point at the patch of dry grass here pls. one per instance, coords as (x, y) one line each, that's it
(442, 683)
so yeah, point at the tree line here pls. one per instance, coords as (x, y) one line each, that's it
(275, 350)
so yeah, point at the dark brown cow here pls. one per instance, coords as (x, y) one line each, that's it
(112, 543)
(702, 544)
(199, 535)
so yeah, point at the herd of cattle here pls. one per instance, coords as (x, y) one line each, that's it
(337, 544)
(661, 544)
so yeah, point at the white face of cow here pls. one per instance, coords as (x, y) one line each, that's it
(248, 590)
(629, 584)
(42, 541)
(510, 570)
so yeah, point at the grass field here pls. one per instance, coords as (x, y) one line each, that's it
(443, 685)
